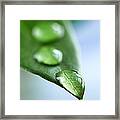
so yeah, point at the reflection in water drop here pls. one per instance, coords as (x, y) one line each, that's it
(58, 29)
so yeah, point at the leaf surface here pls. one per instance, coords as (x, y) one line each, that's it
(28, 47)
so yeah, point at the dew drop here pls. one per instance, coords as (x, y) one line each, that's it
(48, 55)
(48, 31)
(72, 81)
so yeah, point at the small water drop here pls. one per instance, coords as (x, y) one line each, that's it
(47, 31)
(72, 81)
(48, 55)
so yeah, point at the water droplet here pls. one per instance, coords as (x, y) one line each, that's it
(72, 81)
(47, 31)
(48, 55)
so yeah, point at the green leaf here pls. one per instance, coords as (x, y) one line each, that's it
(29, 46)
